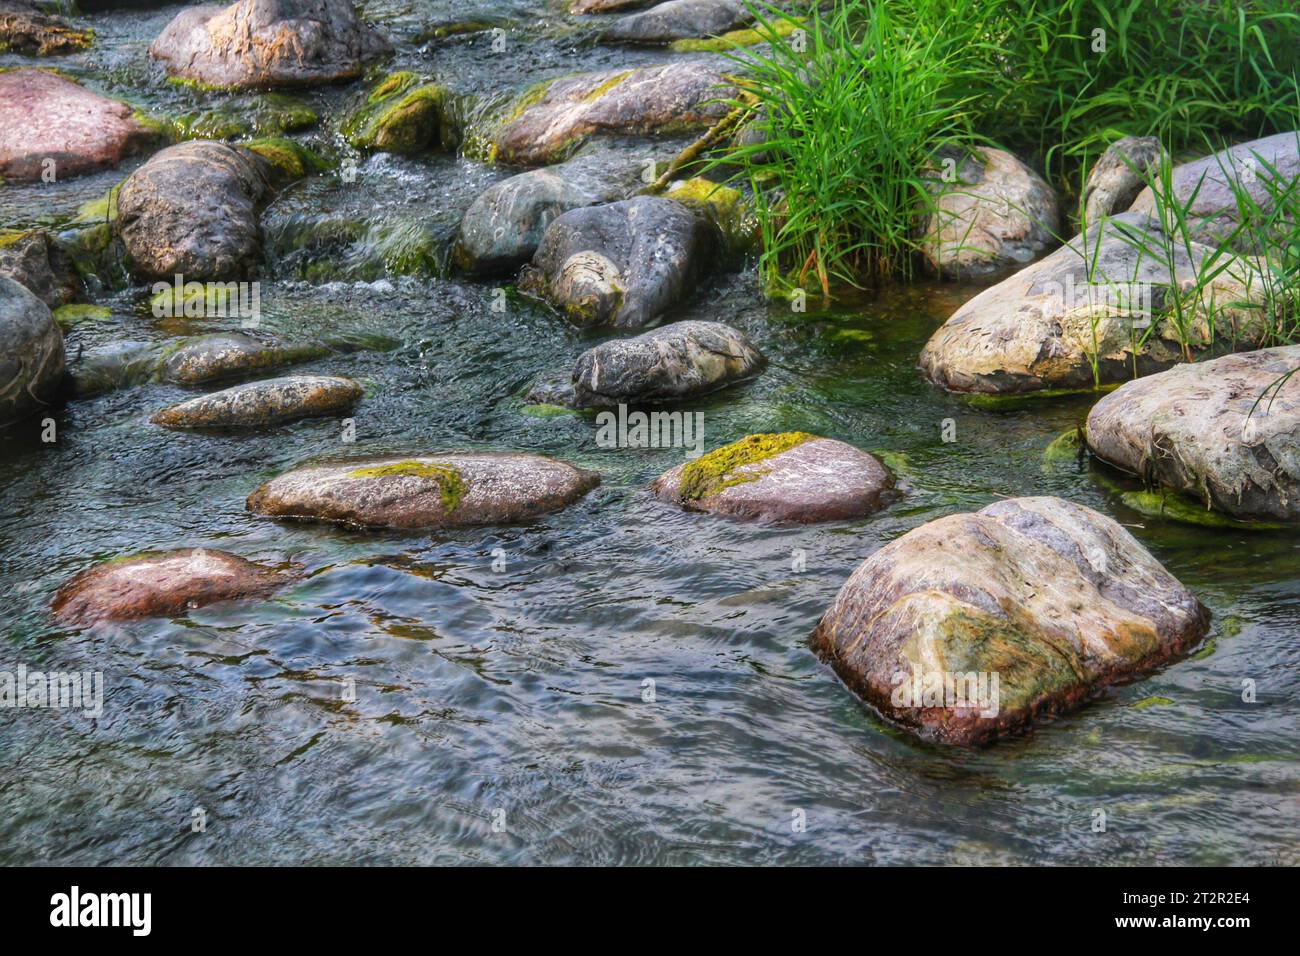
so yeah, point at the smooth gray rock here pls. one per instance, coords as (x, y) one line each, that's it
(31, 353)
(503, 227)
(210, 358)
(681, 360)
(678, 20)
(1224, 432)
(1216, 179)
(34, 260)
(622, 264)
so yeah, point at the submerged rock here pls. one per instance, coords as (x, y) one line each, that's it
(623, 264)
(552, 120)
(606, 6)
(31, 353)
(972, 625)
(504, 226)
(1224, 432)
(1260, 168)
(1120, 174)
(34, 260)
(458, 489)
(232, 354)
(401, 115)
(681, 360)
(192, 210)
(999, 213)
(51, 127)
(788, 477)
(265, 402)
(1085, 309)
(264, 43)
(162, 584)
(24, 28)
(678, 19)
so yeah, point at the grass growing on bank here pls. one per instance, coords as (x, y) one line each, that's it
(852, 104)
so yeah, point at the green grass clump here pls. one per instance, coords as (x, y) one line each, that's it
(711, 473)
(852, 106)
(451, 484)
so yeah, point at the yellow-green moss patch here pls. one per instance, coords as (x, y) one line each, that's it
(735, 38)
(451, 484)
(290, 158)
(714, 472)
(74, 313)
(401, 115)
(1146, 702)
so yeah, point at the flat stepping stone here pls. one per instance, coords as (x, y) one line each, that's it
(1052, 599)
(209, 358)
(459, 489)
(162, 584)
(790, 477)
(1225, 433)
(44, 118)
(265, 402)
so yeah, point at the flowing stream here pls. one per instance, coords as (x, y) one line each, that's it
(501, 674)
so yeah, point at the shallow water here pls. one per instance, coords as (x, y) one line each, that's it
(515, 696)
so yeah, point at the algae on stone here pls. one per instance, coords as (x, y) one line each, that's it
(451, 484)
(714, 472)
(401, 115)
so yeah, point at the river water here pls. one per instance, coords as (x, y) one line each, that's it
(501, 676)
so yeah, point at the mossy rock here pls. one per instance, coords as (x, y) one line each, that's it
(734, 39)
(711, 473)
(1065, 447)
(270, 115)
(451, 483)
(290, 159)
(76, 313)
(723, 205)
(401, 115)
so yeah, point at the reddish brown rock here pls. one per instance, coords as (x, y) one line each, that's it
(792, 477)
(458, 489)
(973, 625)
(45, 117)
(24, 28)
(163, 584)
(268, 43)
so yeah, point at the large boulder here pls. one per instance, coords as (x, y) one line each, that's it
(998, 214)
(35, 260)
(1225, 432)
(1261, 168)
(162, 584)
(193, 210)
(51, 126)
(31, 353)
(552, 120)
(458, 489)
(678, 19)
(972, 625)
(681, 360)
(1084, 311)
(25, 28)
(210, 358)
(266, 43)
(623, 264)
(1122, 172)
(504, 226)
(265, 402)
(790, 477)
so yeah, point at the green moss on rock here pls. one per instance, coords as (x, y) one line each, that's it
(734, 38)
(714, 472)
(290, 158)
(451, 483)
(76, 313)
(401, 115)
